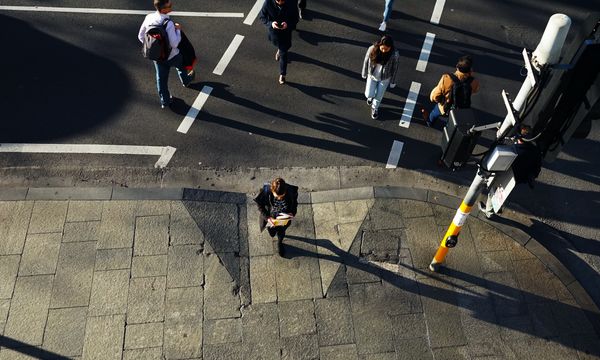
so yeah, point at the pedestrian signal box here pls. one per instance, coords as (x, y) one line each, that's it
(458, 141)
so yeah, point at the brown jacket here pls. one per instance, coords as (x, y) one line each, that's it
(442, 92)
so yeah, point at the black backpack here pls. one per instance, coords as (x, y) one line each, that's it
(156, 42)
(460, 97)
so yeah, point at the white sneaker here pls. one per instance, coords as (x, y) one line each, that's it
(383, 26)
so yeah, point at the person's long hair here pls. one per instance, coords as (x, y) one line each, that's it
(379, 57)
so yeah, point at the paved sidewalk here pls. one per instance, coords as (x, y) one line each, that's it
(105, 273)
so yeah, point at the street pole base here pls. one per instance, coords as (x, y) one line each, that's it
(435, 267)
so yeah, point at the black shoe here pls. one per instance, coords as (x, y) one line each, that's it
(162, 106)
(369, 101)
(280, 249)
(374, 114)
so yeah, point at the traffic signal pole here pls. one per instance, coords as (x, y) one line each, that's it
(547, 53)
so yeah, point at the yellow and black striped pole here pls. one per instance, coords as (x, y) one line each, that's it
(451, 237)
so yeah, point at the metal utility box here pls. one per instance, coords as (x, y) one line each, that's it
(501, 158)
(457, 143)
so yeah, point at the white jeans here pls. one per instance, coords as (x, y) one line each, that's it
(375, 90)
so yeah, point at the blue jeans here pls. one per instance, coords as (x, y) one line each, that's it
(375, 90)
(388, 9)
(162, 77)
(434, 114)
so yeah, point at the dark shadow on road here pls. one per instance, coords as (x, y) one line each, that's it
(28, 350)
(52, 89)
(508, 298)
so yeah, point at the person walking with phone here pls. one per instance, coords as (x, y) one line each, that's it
(277, 204)
(174, 59)
(280, 17)
(387, 12)
(380, 68)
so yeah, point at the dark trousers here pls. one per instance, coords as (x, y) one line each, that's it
(279, 231)
(302, 4)
(283, 42)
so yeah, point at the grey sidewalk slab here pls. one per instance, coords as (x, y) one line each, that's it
(74, 193)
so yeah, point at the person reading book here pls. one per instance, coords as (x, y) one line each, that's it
(277, 205)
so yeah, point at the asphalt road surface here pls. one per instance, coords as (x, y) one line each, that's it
(79, 78)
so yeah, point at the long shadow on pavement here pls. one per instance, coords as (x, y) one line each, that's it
(506, 295)
(28, 350)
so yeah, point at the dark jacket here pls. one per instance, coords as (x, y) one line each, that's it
(264, 202)
(288, 13)
(528, 164)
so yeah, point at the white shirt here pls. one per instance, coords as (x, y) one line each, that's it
(156, 18)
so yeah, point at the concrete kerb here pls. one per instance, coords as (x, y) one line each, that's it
(186, 194)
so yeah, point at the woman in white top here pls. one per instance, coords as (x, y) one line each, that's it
(380, 68)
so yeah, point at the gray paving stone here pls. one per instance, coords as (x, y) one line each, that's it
(74, 272)
(451, 353)
(438, 198)
(519, 252)
(40, 254)
(9, 267)
(352, 211)
(359, 193)
(244, 284)
(13, 194)
(65, 331)
(487, 238)
(550, 261)
(413, 349)
(14, 221)
(220, 292)
(153, 208)
(113, 259)
(144, 354)
(542, 320)
(183, 323)
(84, 211)
(29, 309)
(186, 266)
(219, 224)
(4, 306)
(587, 346)
(537, 348)
(382, 245)
(109, 293)
(213, 196)
(443, 321)
(507, 298)
(496, 261)
(334, 321)
(382, 356)
(372, 325)
(258, 243)
(301, 347)
(104, 337)
(297, 318)
(47, 217)
(117, 224)
(81, 231)
(535, 281)
(151, 235)
(409, 326)
(123, 193)
(422, 237)
(262, 279)
(478, 318)
(139, 336)
(149, 266)
(294, 277)
(400, 192)
(260, 331)
(380, 218)
(222, 331)
(340, 352)
(67, 193)
(146, 301)
(224, 352)
(516, 328)
(443, 215)
(571, 319)
(183, 230)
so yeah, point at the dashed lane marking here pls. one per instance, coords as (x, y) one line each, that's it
(165, 152)
(437, 11)
(228, 55)
(395, 153)
(409, 107)
(425, 51)
(254, 12)
(187, 122)
(117, 11)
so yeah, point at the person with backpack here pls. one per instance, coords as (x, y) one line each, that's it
(161, 37)
(280, 18)
(277, 204)
(380, 68)
(453, 91)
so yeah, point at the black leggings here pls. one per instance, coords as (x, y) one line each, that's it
(279, 231)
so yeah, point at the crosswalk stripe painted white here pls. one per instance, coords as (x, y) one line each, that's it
(409, 107)
(395, 153)
(117, 11)
(254, 12)
(187, 122)
(437, 11)
(165, 152)
(228, 55)
(425, 51)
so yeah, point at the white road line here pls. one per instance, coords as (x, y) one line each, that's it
(395, 153)
(228, 55)
(425, 51)
(187, 122)
(117, 11)
(165, 152)
(409, 107)
(437, 11)
(254, 12)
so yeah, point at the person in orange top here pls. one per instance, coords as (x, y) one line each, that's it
(453, 91)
